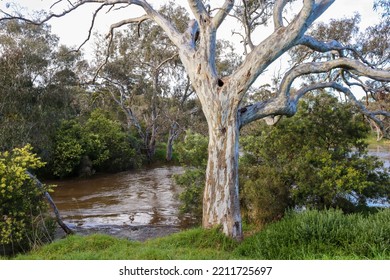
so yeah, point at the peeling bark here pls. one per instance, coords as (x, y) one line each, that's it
(221, 203)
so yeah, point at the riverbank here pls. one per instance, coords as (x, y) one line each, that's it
(306, 235)
(131, 233)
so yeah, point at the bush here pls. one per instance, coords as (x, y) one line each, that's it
(23, 213)
(263, 197)
(193, 151)
(98, 144)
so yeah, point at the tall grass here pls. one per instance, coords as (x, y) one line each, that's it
(308, 235)
(322, 234)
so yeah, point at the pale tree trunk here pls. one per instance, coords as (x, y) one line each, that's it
(169, 150)
(153, 127)
(221, 204)
(173, 134)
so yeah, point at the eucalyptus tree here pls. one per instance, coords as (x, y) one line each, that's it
(221, 96)
(138, 75)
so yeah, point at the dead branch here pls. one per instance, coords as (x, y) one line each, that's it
(38, 183)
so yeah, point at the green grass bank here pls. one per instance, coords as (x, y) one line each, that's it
(308, 235)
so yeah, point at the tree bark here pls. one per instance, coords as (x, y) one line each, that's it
(221, 204)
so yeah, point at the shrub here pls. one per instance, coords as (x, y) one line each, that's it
(97, 144)
(193, 150)
(23, 219)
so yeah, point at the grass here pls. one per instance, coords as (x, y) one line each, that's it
(187, 245)
(308, 235)
(322, 235)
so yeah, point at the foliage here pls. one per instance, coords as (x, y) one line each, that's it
(307, 235)
(372, 43)
(192, 181)
(23, 210)
(193, 150)
(98, 143)
(383, 7)
(38, 85)
(161, 152)
(317, 159)
(192, 153)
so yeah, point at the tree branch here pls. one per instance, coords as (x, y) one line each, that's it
(38, 183)
(278, 13)
(333, 45)
(247, 26)
(165, 61)
(121, 23)
(65, 12)
(173, 34)
(325, 66)
(166, 25)
(222, 13)
(277, 43)
(284, 105)
(319, 46)
(198, 9)
(91, 27)
(268, 110)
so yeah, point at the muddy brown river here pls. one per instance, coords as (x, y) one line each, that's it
(135, 204)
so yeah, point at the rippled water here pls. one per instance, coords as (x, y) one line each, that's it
(133, 198)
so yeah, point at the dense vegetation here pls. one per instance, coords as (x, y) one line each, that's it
(308, 235)
(96, 144)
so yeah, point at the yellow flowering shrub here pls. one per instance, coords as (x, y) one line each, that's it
(21, 201)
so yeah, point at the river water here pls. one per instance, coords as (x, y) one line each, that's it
(134, 204)
(383, 153)
(137, 205)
